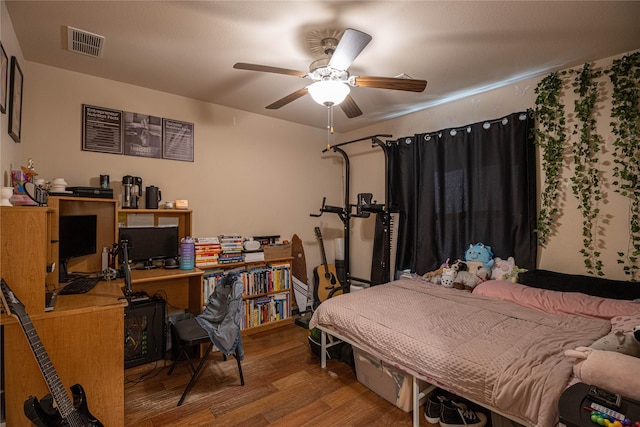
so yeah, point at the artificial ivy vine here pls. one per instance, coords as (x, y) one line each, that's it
(625, 76)
(585, 183)
(625, 126)
(550, 137)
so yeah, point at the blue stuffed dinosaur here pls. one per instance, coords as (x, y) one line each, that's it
(480, 253)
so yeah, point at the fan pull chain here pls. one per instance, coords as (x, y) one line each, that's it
(329, 125)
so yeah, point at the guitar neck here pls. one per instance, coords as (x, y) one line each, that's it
(64, 403)
(324, 256)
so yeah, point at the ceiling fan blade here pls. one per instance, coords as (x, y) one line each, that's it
(393, 83)
(350, 107)
(268, 69)
(351, 44)
(287, 99)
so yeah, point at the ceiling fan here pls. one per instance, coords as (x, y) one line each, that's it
(331, 78)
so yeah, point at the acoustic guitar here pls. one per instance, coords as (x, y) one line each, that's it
(324, 275)
(44, 414)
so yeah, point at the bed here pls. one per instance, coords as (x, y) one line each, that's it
(501, 346)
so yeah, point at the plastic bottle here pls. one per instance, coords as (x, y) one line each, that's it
(187, 253)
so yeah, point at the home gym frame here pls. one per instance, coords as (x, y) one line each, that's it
(363, 208)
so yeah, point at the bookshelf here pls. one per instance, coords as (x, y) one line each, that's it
(267, 299)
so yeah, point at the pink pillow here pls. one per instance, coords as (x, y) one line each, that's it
(562, 303)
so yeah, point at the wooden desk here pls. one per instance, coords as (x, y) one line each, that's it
(83, 337)
(182, 289)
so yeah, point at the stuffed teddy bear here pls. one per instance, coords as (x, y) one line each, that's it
(609, 370)
(466, 280)
(620, 342)
(479, 253)
(438, 272)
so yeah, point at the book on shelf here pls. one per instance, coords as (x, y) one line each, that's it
(207, 240)
(206, 265)
(203, 247)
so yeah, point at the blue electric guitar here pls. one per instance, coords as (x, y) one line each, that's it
(44, 414)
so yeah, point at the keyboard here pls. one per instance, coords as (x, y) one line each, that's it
(80, 285)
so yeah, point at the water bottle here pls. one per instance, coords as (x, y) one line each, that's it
(187, 253)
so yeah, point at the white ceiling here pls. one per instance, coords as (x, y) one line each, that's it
(188, 48)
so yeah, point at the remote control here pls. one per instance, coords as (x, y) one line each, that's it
(607, 411)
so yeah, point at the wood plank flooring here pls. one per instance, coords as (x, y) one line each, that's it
(284, 386)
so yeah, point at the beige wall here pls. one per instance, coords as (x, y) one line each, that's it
(256, 175)
(251, 175)
(9, 150)
(562, 252)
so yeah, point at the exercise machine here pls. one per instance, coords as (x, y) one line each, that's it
(362, 209)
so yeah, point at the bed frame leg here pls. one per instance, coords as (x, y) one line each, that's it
(323, 350)
(419, 398)
(416, 403)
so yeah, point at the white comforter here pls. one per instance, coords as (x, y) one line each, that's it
(496, 353)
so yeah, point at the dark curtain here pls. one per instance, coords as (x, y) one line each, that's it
(461, 186)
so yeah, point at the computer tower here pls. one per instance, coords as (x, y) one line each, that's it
(144, 332)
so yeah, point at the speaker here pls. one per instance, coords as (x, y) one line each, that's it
(144, 332)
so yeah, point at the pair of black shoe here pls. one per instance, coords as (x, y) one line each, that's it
(448, 413)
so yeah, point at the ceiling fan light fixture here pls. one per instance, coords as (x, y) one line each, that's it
(329, 92)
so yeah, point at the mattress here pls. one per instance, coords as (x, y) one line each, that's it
(499, 354)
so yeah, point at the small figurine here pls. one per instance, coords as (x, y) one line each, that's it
(29, 171)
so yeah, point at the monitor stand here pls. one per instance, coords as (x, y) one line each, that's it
(148, 265)
(62, 271)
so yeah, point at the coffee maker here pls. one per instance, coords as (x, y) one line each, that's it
(131, 191)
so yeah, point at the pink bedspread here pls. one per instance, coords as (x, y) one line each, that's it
(496, 353)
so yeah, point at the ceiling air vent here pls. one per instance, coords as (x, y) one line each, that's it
(84, 42)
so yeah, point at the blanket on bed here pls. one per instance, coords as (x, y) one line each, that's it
(494, 352)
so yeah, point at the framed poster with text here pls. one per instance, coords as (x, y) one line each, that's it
(142, 135)
(177, 140)
(101, 129)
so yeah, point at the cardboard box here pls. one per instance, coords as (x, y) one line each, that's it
(388, 382)
(276, 251)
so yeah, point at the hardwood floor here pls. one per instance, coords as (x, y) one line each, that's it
(284, 386)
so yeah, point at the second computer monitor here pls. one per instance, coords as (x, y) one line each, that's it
(148, 244)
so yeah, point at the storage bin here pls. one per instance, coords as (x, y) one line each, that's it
(387, 381)
(276, 251)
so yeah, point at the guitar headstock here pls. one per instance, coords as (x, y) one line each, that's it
(10, 301)
(318, 233)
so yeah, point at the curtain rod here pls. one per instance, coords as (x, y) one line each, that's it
(485, 125)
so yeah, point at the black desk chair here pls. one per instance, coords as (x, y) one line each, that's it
(218, 325)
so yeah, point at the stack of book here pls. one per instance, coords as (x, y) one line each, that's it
(207, 251)
(231, 246)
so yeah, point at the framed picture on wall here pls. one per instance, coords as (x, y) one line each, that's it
(101, 129)
(4, 72)
(177, 140)
(15, 100)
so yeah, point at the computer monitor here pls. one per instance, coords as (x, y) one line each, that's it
(148, 244)
(77, 236)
